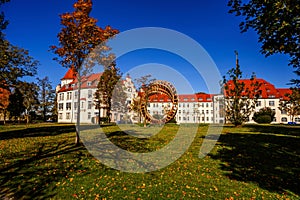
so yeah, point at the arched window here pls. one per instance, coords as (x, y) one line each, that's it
(283, 119)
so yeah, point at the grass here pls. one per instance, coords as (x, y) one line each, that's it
(250, 162)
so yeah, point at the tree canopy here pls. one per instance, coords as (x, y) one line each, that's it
(277, 24)
(240, 99)
(15, 62)
(78, 38)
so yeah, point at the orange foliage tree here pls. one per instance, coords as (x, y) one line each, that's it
(78, 38)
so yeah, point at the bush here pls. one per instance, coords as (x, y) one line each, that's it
(264, 115)
(264, 119)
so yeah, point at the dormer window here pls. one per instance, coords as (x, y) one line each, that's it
(89, 83)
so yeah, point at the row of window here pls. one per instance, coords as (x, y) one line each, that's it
(183, 105)
(61, 96)
(195, 112)
(284, 119)
(68, 115)
(271, 103)
(196, 119)
(69, 105)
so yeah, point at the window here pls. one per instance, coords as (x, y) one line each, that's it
(60, 116)
(283, 119)
(89, 83)
(206, 105)
(61, 97)
(258, 103)
(90, 94)
(75, 105)
(76, 95)
(297, 119)
(75, 115)
(68, 106)
(69, 95)
(67, 115)
(283, 112)
(89, 104)
(207, 111)
(82, 104)
(271, 103)
(89, 115)
(202, 111)
(60, 106)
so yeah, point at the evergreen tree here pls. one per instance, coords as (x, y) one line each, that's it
(240, 99)
(46, 96)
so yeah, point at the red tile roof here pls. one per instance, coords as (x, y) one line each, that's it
(90, 81)
(267, 89)
(71, 74)
(182, 98)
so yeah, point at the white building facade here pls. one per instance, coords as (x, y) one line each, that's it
(67, 99)
(192, 108)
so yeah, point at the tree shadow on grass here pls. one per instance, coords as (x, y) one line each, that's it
(37, 131)
(32, 174)
(276, 129)
(271, 161)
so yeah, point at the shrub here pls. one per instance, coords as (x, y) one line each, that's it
(264, 119)
(264, 115)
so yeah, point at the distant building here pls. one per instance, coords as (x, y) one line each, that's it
(67, 96)
(192, 108)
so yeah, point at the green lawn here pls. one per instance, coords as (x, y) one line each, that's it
(250, 162)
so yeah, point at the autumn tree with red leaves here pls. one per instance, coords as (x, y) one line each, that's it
(78, 37)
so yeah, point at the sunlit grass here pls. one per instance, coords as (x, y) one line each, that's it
(252, 162)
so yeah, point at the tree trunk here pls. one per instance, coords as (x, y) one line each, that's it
(4, 116)
(77, 139)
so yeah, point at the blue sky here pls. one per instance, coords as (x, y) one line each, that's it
(34, 25)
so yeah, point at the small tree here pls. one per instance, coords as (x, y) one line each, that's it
(142, 83)
(108, 87)
(77, 39)
(240, 100)
(16, 106)
(292, 105)
(30, 97)
(46, 96)
(264, 115)
(4, 102)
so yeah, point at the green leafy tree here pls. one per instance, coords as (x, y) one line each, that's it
(15, 62)
(78, 38)
(142, 83)
(292, 105)
(276, 23)
(109, 86)
(16, 106)
(46, 96)
(240, 99)
(264, 115)
(30, 98)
